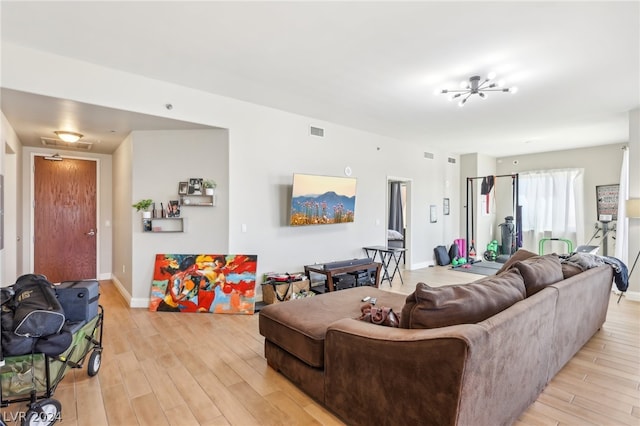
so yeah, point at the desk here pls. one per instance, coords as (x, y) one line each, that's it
(387, 254)
(329, 271)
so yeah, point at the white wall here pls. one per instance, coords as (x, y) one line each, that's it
(266, 147)
(122, 248)
(10, 156)
(161, 160)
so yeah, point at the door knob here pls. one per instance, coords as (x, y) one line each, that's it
(91, 232)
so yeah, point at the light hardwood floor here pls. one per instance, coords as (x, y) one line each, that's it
(197, 369)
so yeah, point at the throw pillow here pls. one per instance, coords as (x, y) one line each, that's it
(570, 270)
(519, 255)
(433, 307)
(539, 272)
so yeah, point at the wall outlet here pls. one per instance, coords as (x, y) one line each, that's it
(123, 269)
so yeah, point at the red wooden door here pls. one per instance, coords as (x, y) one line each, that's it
(65, 219)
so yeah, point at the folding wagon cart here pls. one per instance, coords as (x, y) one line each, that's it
(34, 377)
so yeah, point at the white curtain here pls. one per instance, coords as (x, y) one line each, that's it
(552, 207)
(622, 225)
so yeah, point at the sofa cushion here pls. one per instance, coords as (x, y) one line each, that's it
(519, 255)
(433, 307)
(299, 326)
(539, 272)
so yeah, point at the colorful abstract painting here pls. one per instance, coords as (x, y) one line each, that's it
(216, 283)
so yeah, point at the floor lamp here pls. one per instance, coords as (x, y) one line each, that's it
(633, 212)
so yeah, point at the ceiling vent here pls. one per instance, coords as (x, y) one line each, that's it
(451, 160)
(316, 131)
(57, 143)
(429, 155)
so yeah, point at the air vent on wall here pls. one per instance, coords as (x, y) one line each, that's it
(316, 131)
(57, 143)
(452, 160)
(429, 155)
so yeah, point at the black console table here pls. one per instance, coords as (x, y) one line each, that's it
(387, 254)
(330, 270)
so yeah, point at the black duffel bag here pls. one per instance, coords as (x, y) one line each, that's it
(36, 310)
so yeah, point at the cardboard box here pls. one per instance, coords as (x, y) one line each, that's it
(278, 291)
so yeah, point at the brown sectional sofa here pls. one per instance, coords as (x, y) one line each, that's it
(484, 372)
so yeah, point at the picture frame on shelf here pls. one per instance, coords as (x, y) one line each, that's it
(183, 187)
(173, 208)
(195, 186)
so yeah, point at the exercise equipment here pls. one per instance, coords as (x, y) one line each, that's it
(508, 233)
(516, 231)
(564, 240)
(491, 254)
(459, 261)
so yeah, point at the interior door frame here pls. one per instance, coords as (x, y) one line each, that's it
(408, 182)
(32, 168)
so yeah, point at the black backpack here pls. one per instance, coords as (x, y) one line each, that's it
(36, 310)
(453, 252)
(442, 257)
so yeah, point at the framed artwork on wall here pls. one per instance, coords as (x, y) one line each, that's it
(607, 198)
(433, 213)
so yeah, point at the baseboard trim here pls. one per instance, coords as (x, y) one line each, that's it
(420, 265)
(137, 302)
(632, 296)
(121, 289)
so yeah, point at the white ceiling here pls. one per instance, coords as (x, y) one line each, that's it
(368, 65)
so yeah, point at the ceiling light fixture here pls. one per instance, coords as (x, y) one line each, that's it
(475, 86)
(70, 137)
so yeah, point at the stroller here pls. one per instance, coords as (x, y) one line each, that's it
(33, 377)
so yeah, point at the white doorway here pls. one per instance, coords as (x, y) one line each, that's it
(398, 216)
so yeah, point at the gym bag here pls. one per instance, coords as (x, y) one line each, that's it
(54, 344)
(36, 310)
(11, 343)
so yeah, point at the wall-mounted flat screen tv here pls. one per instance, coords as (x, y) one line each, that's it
(318, 200)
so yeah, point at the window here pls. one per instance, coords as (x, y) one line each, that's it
(551, 203)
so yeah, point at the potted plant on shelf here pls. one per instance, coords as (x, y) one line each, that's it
(143, 205)
(209, 186)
